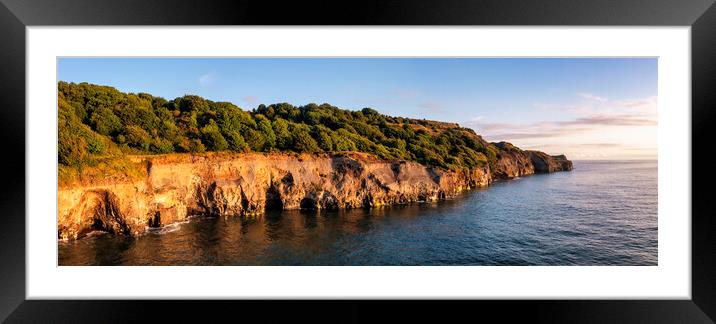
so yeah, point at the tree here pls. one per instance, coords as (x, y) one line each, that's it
(71, 148)
(284, 140)
(236, 142)
(341, 142)
(254, 139)
(191, 103)
(161, 145)
(196, 146)
(264, 126)
(322, 136)
(302, 140)
(95, 121)
(231, 118)
(137, 138)
(211, 137)
(105, 122)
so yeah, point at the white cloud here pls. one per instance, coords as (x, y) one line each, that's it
(591, 97)
(207, 79)
(595, 127)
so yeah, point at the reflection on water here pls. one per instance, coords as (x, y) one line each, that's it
(602, 213)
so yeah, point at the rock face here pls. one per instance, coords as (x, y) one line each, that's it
(546, 163)
(177, 186)
(221, 184)
(512, 162)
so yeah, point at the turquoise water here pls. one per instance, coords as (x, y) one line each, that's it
(602, 213)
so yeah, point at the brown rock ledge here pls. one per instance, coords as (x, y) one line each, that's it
(178, 185)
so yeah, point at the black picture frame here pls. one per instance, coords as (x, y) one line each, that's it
(15, 15)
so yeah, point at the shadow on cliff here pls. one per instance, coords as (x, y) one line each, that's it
(103, 206)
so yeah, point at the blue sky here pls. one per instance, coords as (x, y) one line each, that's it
(560, 105)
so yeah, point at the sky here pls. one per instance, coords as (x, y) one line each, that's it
(586, 108)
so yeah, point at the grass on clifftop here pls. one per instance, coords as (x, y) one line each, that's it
(99, 170)
(99, 122)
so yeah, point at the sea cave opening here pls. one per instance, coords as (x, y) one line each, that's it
(273, 199)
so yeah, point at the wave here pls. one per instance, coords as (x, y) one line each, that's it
(96, 233)
(173, 227)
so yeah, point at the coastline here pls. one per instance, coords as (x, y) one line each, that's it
(164, 189)
(533, 220)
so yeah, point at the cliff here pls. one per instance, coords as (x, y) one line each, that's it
(512, 162)
(173, 187)
(176, 186)
(547, 163)
(131, 161)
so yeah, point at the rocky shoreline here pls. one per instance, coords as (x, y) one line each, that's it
(178, 185)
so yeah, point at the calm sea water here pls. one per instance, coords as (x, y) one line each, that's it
(602, 213)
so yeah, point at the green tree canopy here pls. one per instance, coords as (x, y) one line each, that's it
(96, 120)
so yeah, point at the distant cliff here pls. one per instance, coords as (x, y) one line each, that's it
(169, 188)
(513, 162)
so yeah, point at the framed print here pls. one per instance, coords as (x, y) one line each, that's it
(547, 156)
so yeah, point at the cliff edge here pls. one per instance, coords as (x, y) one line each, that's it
(172, 187)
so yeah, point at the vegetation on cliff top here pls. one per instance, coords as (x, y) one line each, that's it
(99, 122)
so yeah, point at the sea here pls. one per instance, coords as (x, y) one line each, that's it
(603, 213)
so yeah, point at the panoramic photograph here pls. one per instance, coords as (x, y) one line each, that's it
(399, 161)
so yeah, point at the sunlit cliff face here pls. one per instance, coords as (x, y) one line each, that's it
(596, 128)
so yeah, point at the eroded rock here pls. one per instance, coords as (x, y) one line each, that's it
(224, 184)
